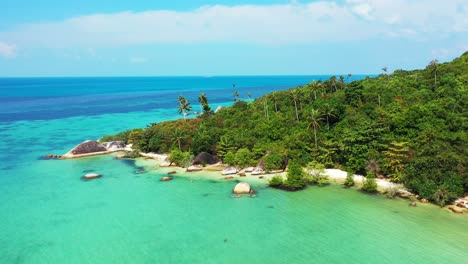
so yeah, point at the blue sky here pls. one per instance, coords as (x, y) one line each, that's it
(249, 37)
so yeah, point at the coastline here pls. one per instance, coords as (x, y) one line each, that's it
(152, 162)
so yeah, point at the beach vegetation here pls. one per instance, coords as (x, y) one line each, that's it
(181, 158)
(276, 181)
(273, 161)
(407, 126)
(295, 178)
(369, 184)
(349, 181)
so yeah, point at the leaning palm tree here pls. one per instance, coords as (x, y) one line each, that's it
(184, 106)
(295, 96)
(204, 103)
(314, 119)
(236, 96)
(328, 111)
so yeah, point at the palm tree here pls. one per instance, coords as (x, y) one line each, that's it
(295, 97)
(434, 65)
(333, 82)
(184, 106)
(236, 96)
(342, 81)
(274, 97)
(249, 95)
(265, 104)
(314, 86)
(204, 103)
(349, 76)
(328, 111)
(321, 87)
(385, 69)
(314, 119)
(178, 135)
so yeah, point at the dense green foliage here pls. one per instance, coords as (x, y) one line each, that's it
(295, 179)
(276, 181)
(349, 181)
(182, 159)
(369, 185)
(409, 126)
(316, 174)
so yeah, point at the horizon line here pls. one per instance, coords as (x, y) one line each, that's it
(179, 76)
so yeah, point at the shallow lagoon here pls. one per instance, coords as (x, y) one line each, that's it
(49, 215)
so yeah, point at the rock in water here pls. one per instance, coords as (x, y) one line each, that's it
(91, 176)
(114, 145)
(166, 178)
(242, 188)
(456, 209)
(87, 147)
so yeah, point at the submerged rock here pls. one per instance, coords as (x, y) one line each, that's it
(456, 209)
(91, 176)
(242, 188)
(166, 178)
(172, 172)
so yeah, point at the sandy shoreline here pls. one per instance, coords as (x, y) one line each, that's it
(152, 161)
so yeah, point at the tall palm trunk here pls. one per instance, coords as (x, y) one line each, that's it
(295, 105)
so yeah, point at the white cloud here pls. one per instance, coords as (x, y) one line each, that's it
(7, 50)
(294, 23)
(138, 60)
(363, 10)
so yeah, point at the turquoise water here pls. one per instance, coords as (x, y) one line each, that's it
(48, 215)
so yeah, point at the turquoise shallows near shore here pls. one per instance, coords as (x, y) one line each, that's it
(49, 215)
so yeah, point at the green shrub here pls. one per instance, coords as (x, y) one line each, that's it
(391, 192)
(131, 154)
(244, 157)
(295, 177)
(230, 158)
(349, 181)
(122, 136)
(316, 174)
(369, 184)
(273, 161)
(276, 181)
(182, 159)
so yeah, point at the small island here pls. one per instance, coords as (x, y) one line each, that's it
(406, 129)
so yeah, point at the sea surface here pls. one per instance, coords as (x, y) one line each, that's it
(49, 215)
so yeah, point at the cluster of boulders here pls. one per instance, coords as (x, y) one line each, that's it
(52, 156)
(90, 147)
(460, 206)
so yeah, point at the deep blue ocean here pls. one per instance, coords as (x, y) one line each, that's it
(53, 98)
(49, 215)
